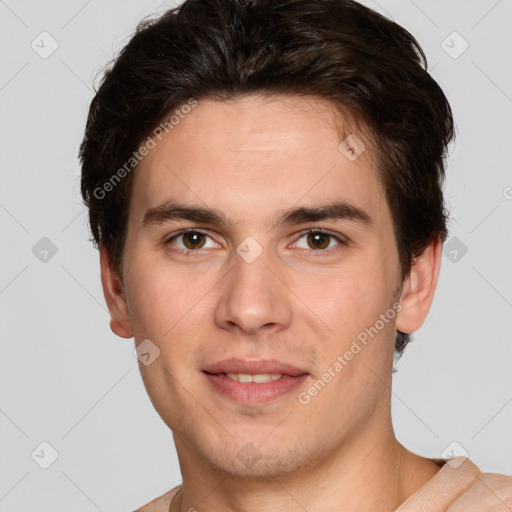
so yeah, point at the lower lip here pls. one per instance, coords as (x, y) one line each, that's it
(254, 392)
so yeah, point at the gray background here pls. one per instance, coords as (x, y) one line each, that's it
(67, 380)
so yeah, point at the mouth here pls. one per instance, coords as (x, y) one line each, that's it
(254, 382)
(259, 378)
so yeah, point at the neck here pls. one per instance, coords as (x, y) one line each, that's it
(371, 472)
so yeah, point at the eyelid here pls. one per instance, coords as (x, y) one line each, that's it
(338, 236)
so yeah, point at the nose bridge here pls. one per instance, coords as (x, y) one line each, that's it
(252, 296)
(251, 268)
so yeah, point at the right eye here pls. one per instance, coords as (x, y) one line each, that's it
(192, 240)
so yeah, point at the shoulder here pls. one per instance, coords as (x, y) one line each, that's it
(490, 492)
(160, 504)
(460, 486)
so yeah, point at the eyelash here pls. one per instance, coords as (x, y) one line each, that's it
(311, 253)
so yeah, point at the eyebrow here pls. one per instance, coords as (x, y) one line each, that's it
(330, 210)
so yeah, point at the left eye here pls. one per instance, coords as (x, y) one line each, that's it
(318, 240)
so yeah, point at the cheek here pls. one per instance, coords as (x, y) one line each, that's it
(352, 296)
(166, 307)
(157, 302)
(358, 308)
(161, 291)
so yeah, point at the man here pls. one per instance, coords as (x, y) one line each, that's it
(264, 183)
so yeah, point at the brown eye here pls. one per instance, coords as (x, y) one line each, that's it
(193, 240)
(318, 240)
(189, 242)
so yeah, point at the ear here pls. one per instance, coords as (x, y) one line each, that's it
(115, 298)
(419, 287)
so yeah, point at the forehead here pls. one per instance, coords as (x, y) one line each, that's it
(258, 155)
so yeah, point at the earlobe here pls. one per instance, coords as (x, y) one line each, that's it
(114, 296)
(419, 287)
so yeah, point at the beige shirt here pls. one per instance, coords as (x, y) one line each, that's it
(460, 486)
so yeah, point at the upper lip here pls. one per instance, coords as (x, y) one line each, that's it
(254, 366)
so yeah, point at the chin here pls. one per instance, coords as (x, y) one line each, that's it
(263, 464)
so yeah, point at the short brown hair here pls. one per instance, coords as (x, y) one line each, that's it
(337, 50)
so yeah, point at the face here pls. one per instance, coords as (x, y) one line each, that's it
(254, 282)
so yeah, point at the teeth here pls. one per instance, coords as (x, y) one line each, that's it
(258, 377)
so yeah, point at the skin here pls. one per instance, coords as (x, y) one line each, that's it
(251, 158)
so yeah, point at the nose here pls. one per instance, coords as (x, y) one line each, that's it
(254, 298)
